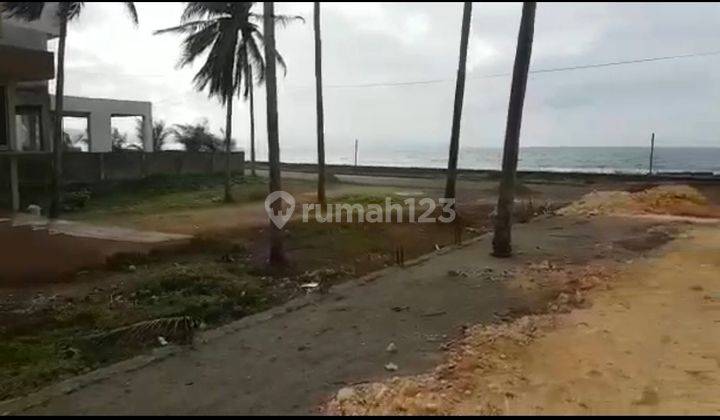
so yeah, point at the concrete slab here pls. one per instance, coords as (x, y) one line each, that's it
(91, 231)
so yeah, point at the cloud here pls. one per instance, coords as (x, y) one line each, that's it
(381, 42)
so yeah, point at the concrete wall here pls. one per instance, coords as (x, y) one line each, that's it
(87, 168)
(99, 113)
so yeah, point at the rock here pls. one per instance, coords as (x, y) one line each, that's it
(391, 367)
(71, 353)
(345, 394)
(457, 273)
(162, 341)
(34, 209)
(391, 348)
(563, 299)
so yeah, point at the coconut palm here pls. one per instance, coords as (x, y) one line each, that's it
(503, 219)
(251, 102)
(277, 256)
(197, 137)
(319, 105)
(160, 134)
(66, 12)
(457, 108)
(226, 33)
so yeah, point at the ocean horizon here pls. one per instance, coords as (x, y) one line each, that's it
(587, 159)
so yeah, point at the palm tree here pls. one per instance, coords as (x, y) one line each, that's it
(197, 137)
(251, 102)
(503, 220)
(214, 28)
(319, 105)
(66, 12)
(277, 256)
(457, 109)
(160, 133)
(226, 32)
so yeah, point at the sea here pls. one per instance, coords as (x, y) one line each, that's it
(623, 160)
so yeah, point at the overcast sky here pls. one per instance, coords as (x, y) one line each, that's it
(390, 42)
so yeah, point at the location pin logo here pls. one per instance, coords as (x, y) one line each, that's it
(287, 207)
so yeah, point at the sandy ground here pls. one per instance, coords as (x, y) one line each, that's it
(650, 345)
(644, 341)
(634, 345)
(290, 360)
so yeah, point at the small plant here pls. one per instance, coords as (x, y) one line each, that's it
(74, 200)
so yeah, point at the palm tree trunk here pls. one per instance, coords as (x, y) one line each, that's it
(250, 88)
(228, 143)
(56, 176)
(277, 256)
(319, 106)
(457, 109)
(503, 220)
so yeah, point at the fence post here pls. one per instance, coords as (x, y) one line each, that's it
(652, 152)
(14, 183)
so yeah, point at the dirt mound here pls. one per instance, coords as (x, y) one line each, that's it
(678, 200)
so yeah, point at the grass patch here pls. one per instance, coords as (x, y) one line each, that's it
(163, 193)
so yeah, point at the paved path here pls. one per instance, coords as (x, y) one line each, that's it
(288, 360)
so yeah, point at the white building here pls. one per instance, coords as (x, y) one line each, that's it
(26, 106)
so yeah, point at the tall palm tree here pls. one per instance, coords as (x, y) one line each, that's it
(66, 12)
(319, 105)
(277, 256)
(457, 108)
(503, 220)
(251, 101)
(227, 33)
(215, 28)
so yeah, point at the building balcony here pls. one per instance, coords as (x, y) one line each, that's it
(24, 65)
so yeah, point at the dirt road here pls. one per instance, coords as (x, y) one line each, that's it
(291, 359)
(650, 345)
(645, 342)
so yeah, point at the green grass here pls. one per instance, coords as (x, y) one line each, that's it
(157, 194)
(62, 341)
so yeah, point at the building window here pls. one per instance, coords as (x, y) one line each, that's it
(4, 132)
(29, 128)
(75, 134)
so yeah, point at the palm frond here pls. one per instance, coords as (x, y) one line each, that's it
(232, 43)
(130, 6)
(70, 9)
(187, 27)
(203, 9)
(283, 20)
(278, 57)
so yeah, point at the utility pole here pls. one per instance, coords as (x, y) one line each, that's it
(356, 152)
(652, 152)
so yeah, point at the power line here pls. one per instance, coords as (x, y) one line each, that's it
(538, 71)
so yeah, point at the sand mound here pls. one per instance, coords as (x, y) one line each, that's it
(678, 200)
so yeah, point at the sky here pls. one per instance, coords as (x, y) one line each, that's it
(364, 43)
